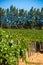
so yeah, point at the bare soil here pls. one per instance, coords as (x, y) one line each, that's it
(36, 58)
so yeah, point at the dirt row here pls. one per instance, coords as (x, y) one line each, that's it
(36, 58)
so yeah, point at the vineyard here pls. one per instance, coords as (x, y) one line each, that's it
(15, 43)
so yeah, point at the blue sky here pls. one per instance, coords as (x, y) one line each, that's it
(26, 4)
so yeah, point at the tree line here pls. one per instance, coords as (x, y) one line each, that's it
(14, 18)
